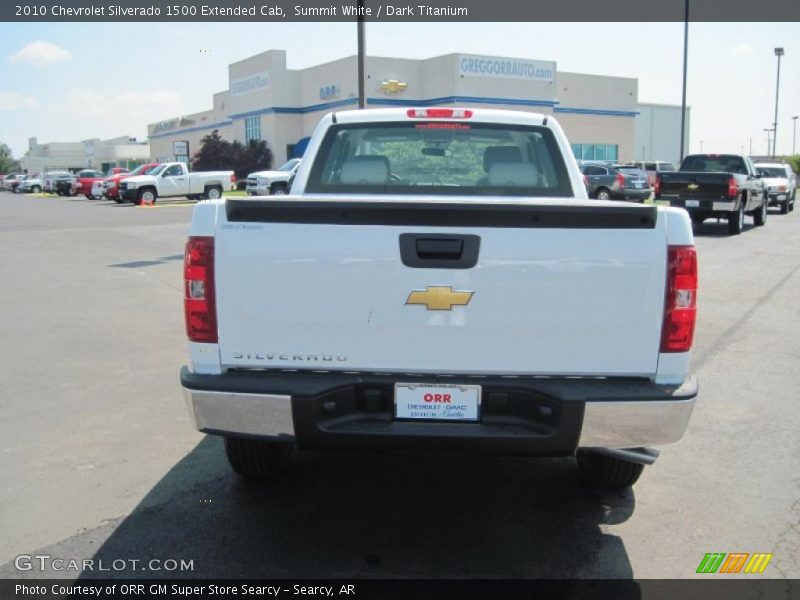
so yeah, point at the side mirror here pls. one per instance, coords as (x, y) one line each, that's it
(164, 174)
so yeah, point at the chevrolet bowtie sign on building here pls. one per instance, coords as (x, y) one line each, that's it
(392, 86)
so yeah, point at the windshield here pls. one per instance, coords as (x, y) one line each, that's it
(443, 158)
(289, 165)
(709, 163)
(143, 169)
(632, 171)
(773, 171)
(157, 170)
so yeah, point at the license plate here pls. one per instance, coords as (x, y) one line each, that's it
(692, 203)
(437, 402)
(781, 197)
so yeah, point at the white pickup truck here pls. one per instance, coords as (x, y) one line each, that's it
(174, 179)
(275, 183)
(438, 280)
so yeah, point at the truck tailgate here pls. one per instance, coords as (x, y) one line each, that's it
(557, 288)
(694, 185)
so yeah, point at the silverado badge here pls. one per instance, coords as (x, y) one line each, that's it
(439, 297)
(692, 186)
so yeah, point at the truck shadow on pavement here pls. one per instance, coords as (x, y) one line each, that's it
(387, 515)
(714, 229)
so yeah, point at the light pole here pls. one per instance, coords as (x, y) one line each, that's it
(362, 98)
(685, 60)
(701, 146)
(778, 53)
(769, 141)
(794, 133)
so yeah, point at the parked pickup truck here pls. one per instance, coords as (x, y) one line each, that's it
(276, 183)
(722, 186)
(109, 187)
(439, 280)
(85, 180)
(174, 179)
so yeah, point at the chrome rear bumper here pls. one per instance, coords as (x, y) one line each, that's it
(608, 423)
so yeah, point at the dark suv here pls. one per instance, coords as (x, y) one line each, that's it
(606, 182)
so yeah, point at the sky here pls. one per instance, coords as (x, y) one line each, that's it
(75, 81)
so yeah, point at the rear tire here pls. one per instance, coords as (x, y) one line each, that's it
(213, 192)
(258, 459)
(36, 189)
(603, 194)
(601, 471)
(760, 216)
(736, 219)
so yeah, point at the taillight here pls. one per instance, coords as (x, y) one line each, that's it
(439, 113)
(657, 187)
(620, 180)
(586, 180)
(733, 187)
(198, 280)
(680, 306)
(233, 177)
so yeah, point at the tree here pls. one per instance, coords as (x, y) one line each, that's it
(255, 156)
(794, 161)
(215, 154)
(7, 162)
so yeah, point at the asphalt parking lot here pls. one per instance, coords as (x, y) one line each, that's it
(100, 461)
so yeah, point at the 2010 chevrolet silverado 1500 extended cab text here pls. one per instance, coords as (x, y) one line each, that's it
(438, 280)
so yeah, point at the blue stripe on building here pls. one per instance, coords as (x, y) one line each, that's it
(172, 132)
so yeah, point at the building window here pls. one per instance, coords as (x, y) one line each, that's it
(607, 152)
(252, 129)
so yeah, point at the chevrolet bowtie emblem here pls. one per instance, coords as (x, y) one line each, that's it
(392, 86)
(439, 297)
(692, 186)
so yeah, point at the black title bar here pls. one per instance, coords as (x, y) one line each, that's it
(415, 11)
(383, 589)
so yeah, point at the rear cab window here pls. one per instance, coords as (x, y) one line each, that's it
(439, 158)
(711, 163)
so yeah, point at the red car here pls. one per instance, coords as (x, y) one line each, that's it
(84, 181)
(111, 183)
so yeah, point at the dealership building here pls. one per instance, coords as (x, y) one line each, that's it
(123, 151)
(601, 115)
